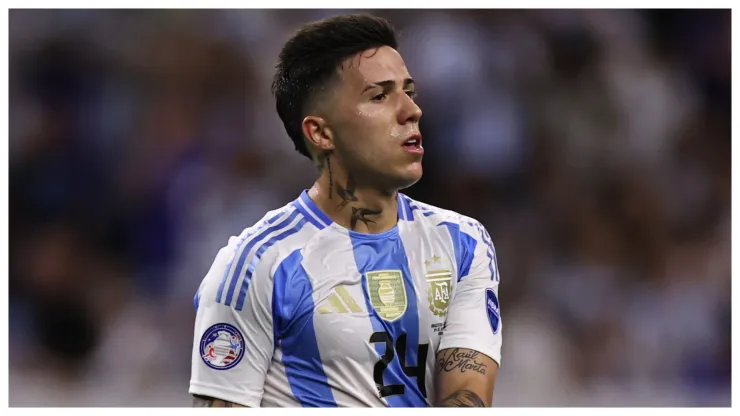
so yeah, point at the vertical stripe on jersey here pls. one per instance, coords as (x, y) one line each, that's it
(249, 234)
(404, 207)
(256, 258)
(293, 309)
(386, 252)
(248, 249)
(464, 246)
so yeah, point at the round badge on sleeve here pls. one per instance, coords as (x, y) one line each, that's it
(492, 307)
(222, 346)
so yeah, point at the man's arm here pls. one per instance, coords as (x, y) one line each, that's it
(469, 354)
(233, 339)
(203, 401)
(464, 378)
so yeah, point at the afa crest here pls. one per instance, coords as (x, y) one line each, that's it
(387, 293)
(438, 286)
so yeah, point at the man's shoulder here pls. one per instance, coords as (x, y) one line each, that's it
(260, 247)
(271, 219)
(278, 230)
(440, 215)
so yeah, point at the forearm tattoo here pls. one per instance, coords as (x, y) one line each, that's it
(460, 360)
(203, 401)
(463, 398)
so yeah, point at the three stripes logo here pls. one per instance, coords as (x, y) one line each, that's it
(339, 301)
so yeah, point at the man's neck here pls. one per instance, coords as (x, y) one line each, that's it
(357, 208)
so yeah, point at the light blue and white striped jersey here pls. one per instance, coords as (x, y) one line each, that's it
(299, 311)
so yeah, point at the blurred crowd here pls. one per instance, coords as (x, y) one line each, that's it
(594, 145)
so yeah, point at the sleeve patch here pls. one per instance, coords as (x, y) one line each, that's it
(222, 346)
(492, 308)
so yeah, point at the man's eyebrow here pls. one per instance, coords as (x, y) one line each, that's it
(388, 83)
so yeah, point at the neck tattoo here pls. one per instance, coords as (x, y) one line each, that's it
(331, 180)
(359, 214)
(347, 194)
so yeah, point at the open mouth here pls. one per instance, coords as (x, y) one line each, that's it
(413, 142)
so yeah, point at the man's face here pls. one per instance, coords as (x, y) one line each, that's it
(373, 116)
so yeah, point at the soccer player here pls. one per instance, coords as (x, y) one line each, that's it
(353, 294)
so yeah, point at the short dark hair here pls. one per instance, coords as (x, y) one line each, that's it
(310, 59)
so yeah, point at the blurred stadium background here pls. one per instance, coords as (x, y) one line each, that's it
(594, 145)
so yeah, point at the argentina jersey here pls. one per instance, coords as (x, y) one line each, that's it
(300, 311)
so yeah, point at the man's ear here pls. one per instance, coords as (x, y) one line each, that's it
(318, 134)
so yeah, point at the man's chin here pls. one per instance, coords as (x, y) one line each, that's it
(410, 177)
(392, 180)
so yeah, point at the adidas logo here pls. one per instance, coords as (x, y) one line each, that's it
(340, 301)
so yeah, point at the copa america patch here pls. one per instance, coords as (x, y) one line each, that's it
(492, 307)
(222, 346)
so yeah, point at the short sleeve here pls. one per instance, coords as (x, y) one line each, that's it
(233, 341)
(474, 317)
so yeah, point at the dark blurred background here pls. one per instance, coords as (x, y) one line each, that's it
(594, 145)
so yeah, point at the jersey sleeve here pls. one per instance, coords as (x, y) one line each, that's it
(474, 318)
(233, 341)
